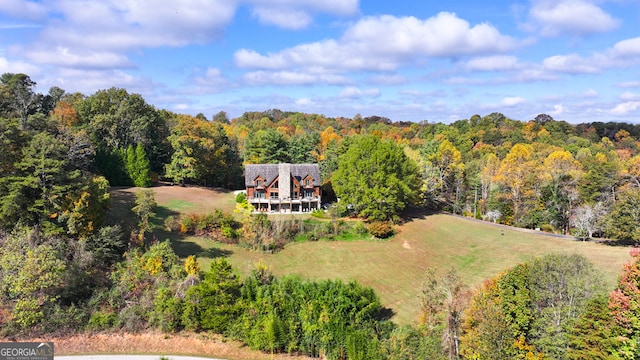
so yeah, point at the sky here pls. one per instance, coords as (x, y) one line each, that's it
(407, 60)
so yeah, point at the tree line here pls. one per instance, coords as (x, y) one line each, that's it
(541, 173)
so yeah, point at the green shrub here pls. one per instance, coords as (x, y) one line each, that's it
(360, 228)
(167, 310)
(229, 233)
(27, 312)
(171, 224)
(207, 224)
(241, 197)
(64, 320)
(547, 228)
(102, 320)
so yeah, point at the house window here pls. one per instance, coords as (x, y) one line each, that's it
(308, 193)
(307, 183)
(275, 185)
(259, 183)
(258, 195)
(294, 195)
(274, 195)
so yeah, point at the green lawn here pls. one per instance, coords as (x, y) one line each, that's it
(395, 268)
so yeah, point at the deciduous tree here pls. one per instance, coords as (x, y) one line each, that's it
(516, 175)
(23, 97)
(203, 154)
(622, 222)
(375, 179)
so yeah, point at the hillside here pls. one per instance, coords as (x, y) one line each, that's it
(394, 268)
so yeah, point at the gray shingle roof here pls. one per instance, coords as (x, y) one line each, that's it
(271, 171)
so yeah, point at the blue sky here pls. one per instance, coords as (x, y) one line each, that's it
(576, 60)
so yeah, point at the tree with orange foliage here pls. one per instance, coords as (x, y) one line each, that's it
(65, 113)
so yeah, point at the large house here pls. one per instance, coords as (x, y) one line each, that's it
(283, 187)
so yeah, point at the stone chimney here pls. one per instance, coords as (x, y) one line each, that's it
(284, 180)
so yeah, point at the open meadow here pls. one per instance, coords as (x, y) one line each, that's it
(394, 268)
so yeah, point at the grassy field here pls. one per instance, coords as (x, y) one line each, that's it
(394, 268)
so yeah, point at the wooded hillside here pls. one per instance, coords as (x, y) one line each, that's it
(64, 267)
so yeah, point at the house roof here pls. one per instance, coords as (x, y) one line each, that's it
(271, 171)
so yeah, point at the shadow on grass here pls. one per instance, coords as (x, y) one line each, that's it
(120, 209)
(385, 314)
(180, 243)
(184, 248)
(414, 214)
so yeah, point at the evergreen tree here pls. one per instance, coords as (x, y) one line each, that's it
(141, 171)
(592, 336)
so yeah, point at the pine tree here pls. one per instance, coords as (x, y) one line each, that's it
(142, 169)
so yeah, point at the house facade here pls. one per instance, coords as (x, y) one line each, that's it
(283, 188)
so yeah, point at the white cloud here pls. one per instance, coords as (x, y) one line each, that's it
(622, 54)
(209, 82)
(629, 84)
(114, 24)
(629, 96)
(305, 102)
(394, 79)
(292, 78)
(285, 18)
(558, 109)
(18, 67)
(354, 92)
(384, 43)
(88, 81)
(629, 48)
(590, 93)
(91, 34)
(573, 64)
(66, 57)
(493, 63)
(337, 7)
(572, 17)
(443, 35)
(512, 101)
(625, 108)
(30, 10)
(459, 80)
(328, 54)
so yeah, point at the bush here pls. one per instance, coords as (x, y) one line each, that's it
(65, 320)
(241, 197)
(381, 229)
(208, 224)
(360, 228)
(102, 320)
(172, 224)
(167, 311)
(547, 228)
(229, 233)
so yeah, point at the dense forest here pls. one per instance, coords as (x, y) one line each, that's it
(64, 267)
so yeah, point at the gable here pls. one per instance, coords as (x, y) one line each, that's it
(270, 172)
